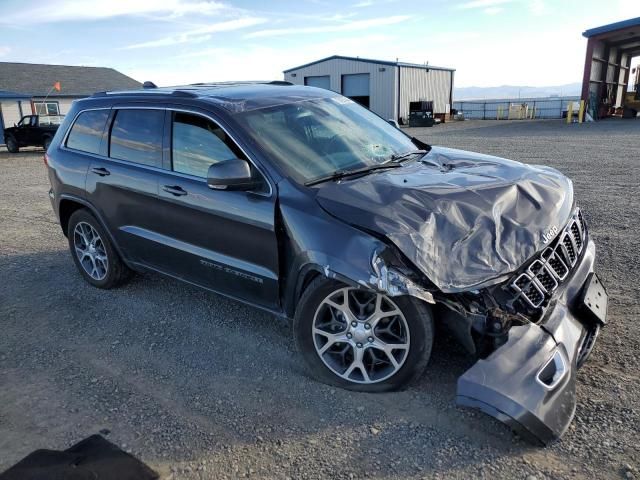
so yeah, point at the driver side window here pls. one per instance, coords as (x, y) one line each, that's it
(197, 143)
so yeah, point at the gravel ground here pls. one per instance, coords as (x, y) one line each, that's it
(199, 386)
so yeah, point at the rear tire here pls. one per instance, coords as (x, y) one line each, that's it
(347, 336)
(12, 145)
(92, 252)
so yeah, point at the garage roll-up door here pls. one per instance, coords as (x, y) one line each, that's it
(323, 81)
(356, 85)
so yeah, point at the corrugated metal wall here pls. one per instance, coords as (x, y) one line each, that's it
(420, 84)
(383, 87)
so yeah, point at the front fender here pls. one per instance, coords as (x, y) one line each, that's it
(313, 243)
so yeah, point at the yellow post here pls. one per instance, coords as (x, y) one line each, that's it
(581, 112)
(498, 113)
(570, 112)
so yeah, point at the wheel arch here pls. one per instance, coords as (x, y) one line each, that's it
(70, 204)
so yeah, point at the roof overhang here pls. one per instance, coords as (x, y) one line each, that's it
(370, 60)
(624, 35)
(5, 95)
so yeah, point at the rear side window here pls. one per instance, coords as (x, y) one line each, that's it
(86, 133)
(197, 143)
(136, 136)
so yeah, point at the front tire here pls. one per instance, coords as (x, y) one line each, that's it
(46, 143)
(360, 339)
(93, 253)
(12, 144)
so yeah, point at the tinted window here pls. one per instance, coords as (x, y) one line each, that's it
(198, 143)
(136, 136)
(86, 133)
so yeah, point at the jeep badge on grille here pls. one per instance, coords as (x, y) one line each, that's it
(550, 234)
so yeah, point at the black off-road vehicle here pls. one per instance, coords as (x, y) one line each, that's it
(32, 131)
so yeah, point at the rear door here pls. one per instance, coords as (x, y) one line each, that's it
(122, 182)
(220, 239)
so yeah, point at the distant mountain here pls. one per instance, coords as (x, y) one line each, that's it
(511, 91)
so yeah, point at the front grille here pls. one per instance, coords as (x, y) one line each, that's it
(536, 284)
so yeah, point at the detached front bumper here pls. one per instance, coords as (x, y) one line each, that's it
(529, 382)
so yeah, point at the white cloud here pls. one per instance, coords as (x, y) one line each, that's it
(199, 35)
(493, 10)
(82, 10)
(538, 7)
(255, 62)
(364, 3)
(481, 4)
(4, 50)
(351, 26)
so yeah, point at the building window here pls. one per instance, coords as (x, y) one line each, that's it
(47, 108)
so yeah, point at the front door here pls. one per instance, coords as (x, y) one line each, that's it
(221, 239)
(27, 131)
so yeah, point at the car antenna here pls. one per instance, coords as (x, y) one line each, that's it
(149, 84)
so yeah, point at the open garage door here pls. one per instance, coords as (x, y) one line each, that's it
(606, 79)
(356, 87)
(321, 81)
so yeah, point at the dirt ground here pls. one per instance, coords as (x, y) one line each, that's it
(198, 386)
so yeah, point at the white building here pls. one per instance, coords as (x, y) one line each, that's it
(31, 88)
(384, 87)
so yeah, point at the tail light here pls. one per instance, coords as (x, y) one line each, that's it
(46, 159)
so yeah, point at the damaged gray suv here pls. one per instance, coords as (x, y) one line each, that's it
(303, 203)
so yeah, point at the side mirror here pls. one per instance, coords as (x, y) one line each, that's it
(234, 174)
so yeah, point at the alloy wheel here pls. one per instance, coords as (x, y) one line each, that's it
(90, 251)
(361, 336)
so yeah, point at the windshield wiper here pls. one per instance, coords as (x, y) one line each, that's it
(399, 157)
(338, 174)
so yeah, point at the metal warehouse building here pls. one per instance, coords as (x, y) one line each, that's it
(385, 87)
(605, 84)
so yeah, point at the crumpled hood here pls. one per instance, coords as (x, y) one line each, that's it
(464, 219)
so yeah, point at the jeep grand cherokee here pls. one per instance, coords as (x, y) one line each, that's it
(301, 202)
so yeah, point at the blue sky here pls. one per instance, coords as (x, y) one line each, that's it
(489, 42)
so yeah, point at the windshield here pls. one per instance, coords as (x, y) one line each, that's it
(316, 138)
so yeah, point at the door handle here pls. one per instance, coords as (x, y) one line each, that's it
(103, 172)
(174, 190)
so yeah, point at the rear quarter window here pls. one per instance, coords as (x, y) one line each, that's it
(86, 132)
(136, 136)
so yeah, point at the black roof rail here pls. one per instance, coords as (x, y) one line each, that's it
(175, 93)
(184, 93)
(240, 82)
